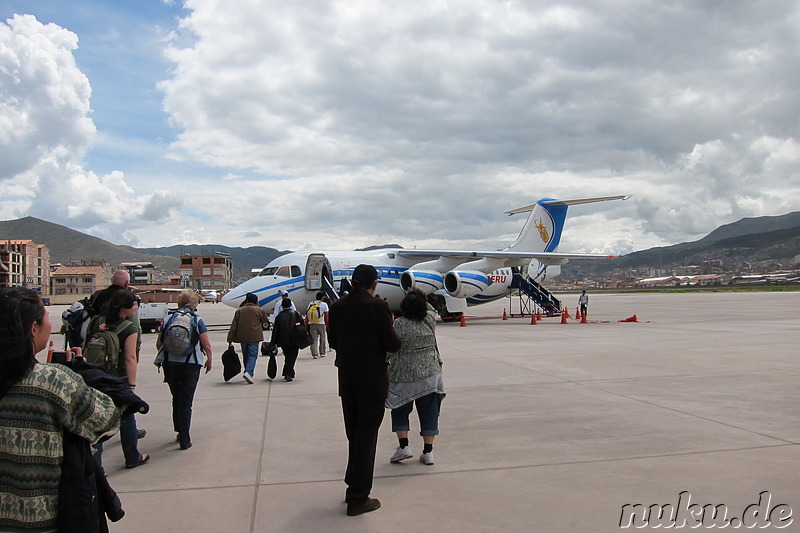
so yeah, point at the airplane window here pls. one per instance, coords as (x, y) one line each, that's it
(269, 271)
(283, 272)
(296, 271)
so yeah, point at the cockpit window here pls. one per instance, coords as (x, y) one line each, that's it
(269, 271)
(283, 272)
(296, 271)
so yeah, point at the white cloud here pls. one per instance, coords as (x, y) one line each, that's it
(46, 131)
(345, 124)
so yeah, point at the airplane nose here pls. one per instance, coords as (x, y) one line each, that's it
(228, 299)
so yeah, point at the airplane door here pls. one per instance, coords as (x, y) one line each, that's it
(314, 271)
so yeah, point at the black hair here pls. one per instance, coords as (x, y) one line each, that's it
(286, 303)
(415, 305)
(119, 300)
(19, 309)
(320, 295)
(250, 298)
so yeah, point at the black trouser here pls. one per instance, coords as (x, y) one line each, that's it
(182, 380)
(289, 358)
(362, 420)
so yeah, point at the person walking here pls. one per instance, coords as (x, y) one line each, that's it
(183, 362)
(41, 405)
(361, 332)
(317, 324)
(120, 315)
(283, 336)
(246, 329)
(415, 376)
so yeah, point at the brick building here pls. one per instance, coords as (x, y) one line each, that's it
(23, 263)
(206, 272)
(73, 282)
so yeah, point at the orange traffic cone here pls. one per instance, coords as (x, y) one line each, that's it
(566, 312)
(630, 319)
(463, 321)
(538, 314)
(577, 313)
(505, 315)
(583, 318)
(533, 319)
(564, 315)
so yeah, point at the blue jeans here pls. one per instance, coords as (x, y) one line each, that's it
(428, 408)
(129, 437)
(250, 356)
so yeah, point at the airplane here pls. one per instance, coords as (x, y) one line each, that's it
(452, 279)
(208, 295)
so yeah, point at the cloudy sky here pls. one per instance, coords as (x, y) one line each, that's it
(345, 123)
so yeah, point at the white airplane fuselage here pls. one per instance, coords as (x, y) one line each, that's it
(453, 278)
(300, 274)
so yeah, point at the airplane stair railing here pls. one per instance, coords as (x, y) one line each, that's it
(329, 289)
(537, 293)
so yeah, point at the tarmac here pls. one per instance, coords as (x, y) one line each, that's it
(549, 427)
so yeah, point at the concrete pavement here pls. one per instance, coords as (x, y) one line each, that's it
(547, 427)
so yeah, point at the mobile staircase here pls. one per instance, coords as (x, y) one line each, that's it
(330, 290)
(538, 294)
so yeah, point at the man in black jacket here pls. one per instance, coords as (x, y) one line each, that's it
(361, 332)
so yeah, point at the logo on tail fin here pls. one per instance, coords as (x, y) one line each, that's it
(543, 231)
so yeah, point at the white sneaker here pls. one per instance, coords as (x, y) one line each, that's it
(323, 355)
(426, 458)
(401, 455)
(247, 377)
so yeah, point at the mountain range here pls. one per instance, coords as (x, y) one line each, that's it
(752, 240)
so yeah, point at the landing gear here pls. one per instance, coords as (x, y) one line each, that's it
(438, 303)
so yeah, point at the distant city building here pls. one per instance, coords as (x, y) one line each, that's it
(79, 281)
(206, 272)
(23, 263)
(141, 273)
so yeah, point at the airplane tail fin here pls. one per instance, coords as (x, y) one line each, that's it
(542, 230)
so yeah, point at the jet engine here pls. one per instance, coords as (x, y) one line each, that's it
(427, 281)
(465, 283)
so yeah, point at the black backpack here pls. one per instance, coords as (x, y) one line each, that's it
(75, 321)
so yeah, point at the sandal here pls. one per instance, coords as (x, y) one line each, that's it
(143, 458)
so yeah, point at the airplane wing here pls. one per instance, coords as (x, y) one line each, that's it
(472, 255)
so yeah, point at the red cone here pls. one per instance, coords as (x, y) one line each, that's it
(463, 321)
(564, 315)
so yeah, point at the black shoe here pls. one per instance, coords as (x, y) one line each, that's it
(369, 504)
(186, 445)
(141, 433)
(288, 379)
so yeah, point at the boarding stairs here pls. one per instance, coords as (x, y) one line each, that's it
(538, 294)
(330, 290)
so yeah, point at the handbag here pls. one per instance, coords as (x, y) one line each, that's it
(300, 336)
(272, 366)
(271, 350)
(231, 365)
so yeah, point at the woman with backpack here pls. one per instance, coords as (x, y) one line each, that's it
(120, 320)
(181, 345)
(39, 405)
